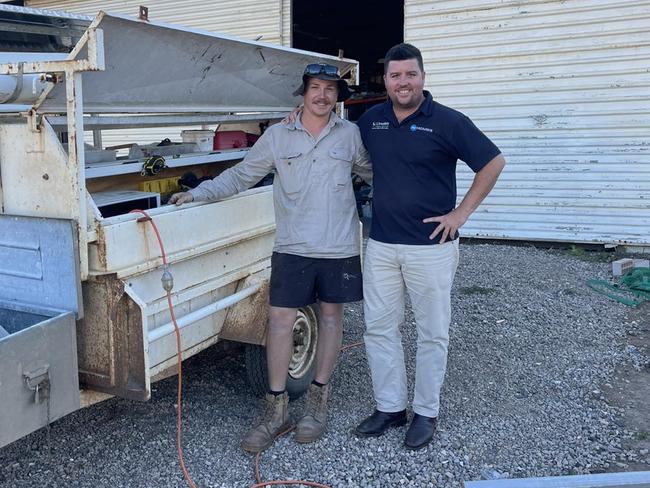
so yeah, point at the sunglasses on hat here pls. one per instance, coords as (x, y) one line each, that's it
(321, 69)
(325, 72)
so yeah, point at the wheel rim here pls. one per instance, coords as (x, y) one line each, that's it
(304, 343)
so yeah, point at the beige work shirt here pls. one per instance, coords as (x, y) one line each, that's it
(315, 208)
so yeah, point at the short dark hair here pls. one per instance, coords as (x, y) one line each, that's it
(402, 52)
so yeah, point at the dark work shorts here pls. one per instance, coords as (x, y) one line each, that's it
(297, 281)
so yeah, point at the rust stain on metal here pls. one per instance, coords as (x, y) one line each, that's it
(101, 247)
(93, 338)
(116, 292)
(111, 350)
(246, 321)
(142, 229)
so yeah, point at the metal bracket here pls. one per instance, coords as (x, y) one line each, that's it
(19, 84)
(34, 120)
(93, 39)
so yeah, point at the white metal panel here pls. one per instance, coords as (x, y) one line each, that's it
(248, 19)
(242, 217)
(36, 179)
(562, 87)
(197, 71)
(207, 263)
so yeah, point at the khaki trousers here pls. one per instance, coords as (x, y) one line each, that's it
(427, 273)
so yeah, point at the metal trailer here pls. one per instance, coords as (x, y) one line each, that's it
(632, 479)
(81, 303)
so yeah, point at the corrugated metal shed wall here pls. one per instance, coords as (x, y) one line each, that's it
(248, 19)
(287, 31)
(563, 87)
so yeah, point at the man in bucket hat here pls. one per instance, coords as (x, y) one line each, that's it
(326, 72)
(316, 252)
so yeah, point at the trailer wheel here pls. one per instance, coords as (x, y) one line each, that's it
(302, 366)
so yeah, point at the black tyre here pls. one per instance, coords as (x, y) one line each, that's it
(302, 366)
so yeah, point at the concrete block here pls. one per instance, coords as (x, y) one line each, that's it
(622, 266)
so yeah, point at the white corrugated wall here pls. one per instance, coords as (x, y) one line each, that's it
(268, 21)
(286, 20)
(563, 88)
(248, 19)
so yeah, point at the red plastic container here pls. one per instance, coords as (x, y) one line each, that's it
(230, 139)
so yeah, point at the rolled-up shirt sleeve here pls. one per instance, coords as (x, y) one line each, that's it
(256, 165)
(361, 162)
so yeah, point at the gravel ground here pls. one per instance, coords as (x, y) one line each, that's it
(530, 347)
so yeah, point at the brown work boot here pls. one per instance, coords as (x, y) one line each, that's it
(312, 425)
(274, 422)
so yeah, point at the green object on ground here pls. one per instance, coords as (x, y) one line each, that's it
(637, 279)
(633, 290)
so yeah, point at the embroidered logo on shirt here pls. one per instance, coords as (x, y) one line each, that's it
(414, 128)
(380, 125)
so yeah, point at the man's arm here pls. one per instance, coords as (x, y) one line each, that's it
(483, 183)
(361, 163)
(258, 163)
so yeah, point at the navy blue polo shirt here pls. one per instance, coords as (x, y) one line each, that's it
(414, 166)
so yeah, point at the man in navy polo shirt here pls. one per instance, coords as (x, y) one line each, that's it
(414, 145)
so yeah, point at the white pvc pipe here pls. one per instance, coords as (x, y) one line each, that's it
(32, 87)
(201, 313)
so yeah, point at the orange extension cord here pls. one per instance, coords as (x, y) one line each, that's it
(179, 446)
